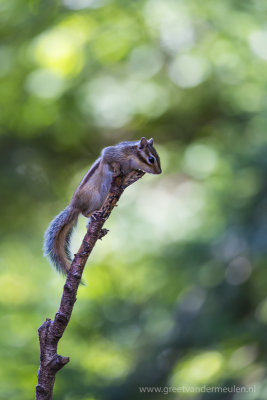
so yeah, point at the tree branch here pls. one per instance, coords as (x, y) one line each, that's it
(50, 332)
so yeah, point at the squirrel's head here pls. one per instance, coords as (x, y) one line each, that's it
(148, 159)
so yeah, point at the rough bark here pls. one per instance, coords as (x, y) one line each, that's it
(50, 331)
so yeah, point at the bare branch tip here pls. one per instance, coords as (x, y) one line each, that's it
(103, 233)
(61, 361)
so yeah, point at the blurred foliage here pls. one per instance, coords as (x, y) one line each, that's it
(176, 293)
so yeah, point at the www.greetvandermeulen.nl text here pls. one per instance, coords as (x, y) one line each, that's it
(197, 389)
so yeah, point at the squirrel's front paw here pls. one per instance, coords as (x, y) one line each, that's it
(116, 169)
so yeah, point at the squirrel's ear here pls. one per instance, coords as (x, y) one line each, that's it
(151, 141)
(142, 143)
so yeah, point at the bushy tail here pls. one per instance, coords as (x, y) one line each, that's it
(57, 239)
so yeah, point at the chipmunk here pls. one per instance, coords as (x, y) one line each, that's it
(92, 192)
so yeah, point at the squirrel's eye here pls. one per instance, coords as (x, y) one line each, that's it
(151, 159)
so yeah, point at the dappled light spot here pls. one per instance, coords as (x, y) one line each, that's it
(157, 12)
(261, 311)
(192, 299)
(229, 246)
(116, 39)
(203, 368)
(150, 99)
(243, 356)
(200, 160)
(238, 271)
(248, 183)
(254, 374)
(81, 4)
(158, 321)
(105, 360)
(114, 103)
(177, 35)
(45, 84)
(258, 43)
(61, 48)
(145, 61)
(188, 71)
(112, 46)
(229, 67)
(172, 22)
(110, 102)
(182, 212)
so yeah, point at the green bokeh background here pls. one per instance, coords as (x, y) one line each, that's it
(176, 294)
